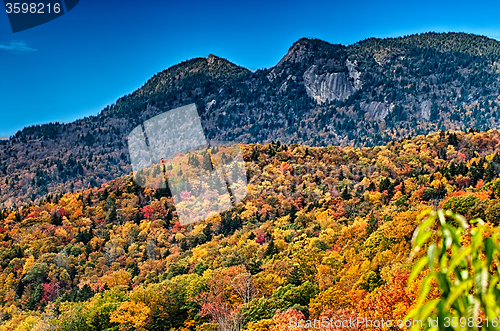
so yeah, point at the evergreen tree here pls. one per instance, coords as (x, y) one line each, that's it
(490, 173)
(255, 155)
(271, 249)
(110, 203)
(207, 162)
(345, 194)
(56, 219)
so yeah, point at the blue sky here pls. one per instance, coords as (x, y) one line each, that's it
(77, 64)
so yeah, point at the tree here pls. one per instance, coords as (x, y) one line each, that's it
(207, 162)
(271, 249)
(345, 194)
(56, 218)
(110, 203)
(131, 315)
(490, 173)
(244, 286)
(214, 303)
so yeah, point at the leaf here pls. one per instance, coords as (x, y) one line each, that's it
(425, 288)
(417, 268)
(427, 309)
(431, 251)
(458, 258)
(489, 246)
(457, 292)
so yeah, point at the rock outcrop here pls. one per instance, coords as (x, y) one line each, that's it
(354, 74)
(377, 110)
(425, 110)
(332, 86)
(327, 86)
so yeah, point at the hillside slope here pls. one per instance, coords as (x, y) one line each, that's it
(324, 231)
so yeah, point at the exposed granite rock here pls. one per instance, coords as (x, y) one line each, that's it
(332, 85)
(354, 74)
(425, 110)
(210, 104)
(327, 86)
(212, 59)
(377, 110)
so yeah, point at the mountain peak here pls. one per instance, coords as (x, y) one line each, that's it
(305, 48)
(298, 52)
(212, 66)
(212, 59)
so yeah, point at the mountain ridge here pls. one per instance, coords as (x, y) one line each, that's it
(319, 94)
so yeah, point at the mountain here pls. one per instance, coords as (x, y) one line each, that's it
(319, 94)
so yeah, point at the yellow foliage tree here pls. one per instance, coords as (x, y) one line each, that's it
(117, 278)
(131, 315)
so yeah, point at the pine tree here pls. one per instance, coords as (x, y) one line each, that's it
(293, 212)
(271, 249)
(56, 219)
(207, 162)
(453, 169)
(490, 173)
(295, 277)
(138, 218)
(385, 184)
(372, 225)
(255, 155)
(345, 194)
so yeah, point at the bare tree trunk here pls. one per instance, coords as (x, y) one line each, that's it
(243, 285)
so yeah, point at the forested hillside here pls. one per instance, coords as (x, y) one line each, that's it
(323, 232)
(319, 94)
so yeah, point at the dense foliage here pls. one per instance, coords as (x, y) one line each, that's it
(323, 232)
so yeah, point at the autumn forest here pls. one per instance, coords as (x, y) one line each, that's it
(323, 232)
(367, 189)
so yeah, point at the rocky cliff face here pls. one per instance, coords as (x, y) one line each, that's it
(327, 86)
(377, 110)
(425, 110)
(354, 74)
(332, 86)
